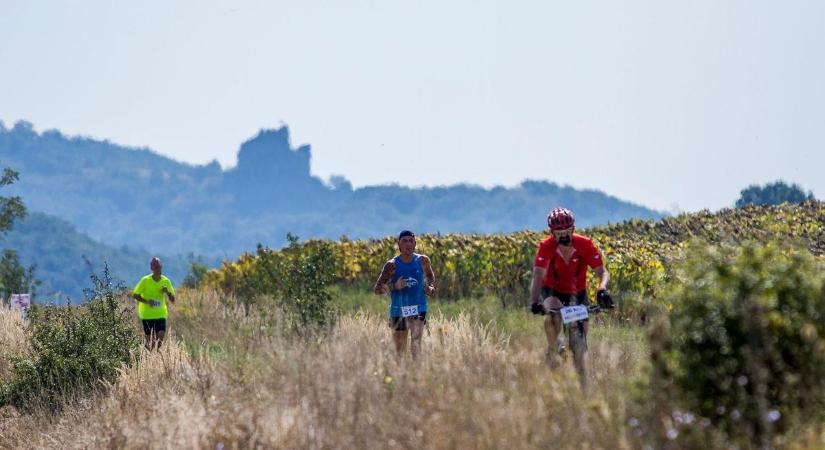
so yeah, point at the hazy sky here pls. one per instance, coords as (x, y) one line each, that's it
(671, 104)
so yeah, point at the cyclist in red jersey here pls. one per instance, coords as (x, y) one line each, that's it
(560, 279)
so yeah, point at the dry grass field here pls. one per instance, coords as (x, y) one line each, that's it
(231, 380)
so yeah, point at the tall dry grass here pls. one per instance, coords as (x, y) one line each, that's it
(12, 339)
(231, 380)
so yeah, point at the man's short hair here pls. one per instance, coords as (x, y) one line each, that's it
(405, 233)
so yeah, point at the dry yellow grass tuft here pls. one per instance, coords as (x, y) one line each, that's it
(12, 338)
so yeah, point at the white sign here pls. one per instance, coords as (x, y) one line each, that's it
(573, 313)
(21, 302)
(407, 311)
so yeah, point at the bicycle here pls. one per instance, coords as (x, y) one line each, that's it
(573, 318)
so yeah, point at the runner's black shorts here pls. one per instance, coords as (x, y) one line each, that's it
(400, 323)
(153, 326)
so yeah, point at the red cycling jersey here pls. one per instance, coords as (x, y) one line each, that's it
(572, 277)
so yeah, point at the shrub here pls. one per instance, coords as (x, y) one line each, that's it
(196, 275)
(73, 349)
(296, 279)
(746, 346)
(304, 296)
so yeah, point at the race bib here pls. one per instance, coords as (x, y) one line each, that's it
(573, 313)
(407, 311)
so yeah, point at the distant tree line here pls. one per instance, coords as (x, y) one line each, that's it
(773, 194)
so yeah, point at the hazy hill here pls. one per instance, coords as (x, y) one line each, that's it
(66, 258)
(134, 197)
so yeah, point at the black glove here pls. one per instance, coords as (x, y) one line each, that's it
(604, 299)
(537, 308)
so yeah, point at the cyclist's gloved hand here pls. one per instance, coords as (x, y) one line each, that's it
(604, 299)
(536, 308)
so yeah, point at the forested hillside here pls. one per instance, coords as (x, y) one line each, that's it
(135, 197)
(65, 258)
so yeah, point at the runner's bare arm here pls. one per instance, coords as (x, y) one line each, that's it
(429, 274)
(604, 277)
(382, 286)
(169, 294)
(140, 299)
(535, 284)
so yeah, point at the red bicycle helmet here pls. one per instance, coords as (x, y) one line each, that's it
(560, 218)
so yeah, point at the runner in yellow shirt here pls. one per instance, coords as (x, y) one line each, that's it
(149, 293)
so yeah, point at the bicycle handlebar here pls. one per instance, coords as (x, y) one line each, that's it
(591, 309)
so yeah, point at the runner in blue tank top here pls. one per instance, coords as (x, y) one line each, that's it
(409, 279)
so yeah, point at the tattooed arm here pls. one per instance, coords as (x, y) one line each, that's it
(429, 289)
(382, 286)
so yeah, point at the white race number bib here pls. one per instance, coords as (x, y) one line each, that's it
(407, 311)
(573, 313)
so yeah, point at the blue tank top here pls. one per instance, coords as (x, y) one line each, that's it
(413, 294)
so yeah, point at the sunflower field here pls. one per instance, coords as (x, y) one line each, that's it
(640, 255)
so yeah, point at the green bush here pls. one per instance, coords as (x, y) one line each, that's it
(297, 279)
(746, 345)
(195, 276)
(73, 349)
(304, 293)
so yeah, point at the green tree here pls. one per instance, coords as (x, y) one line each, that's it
(196, 274)
(10, 207)
(14, 278)
(772, 194)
